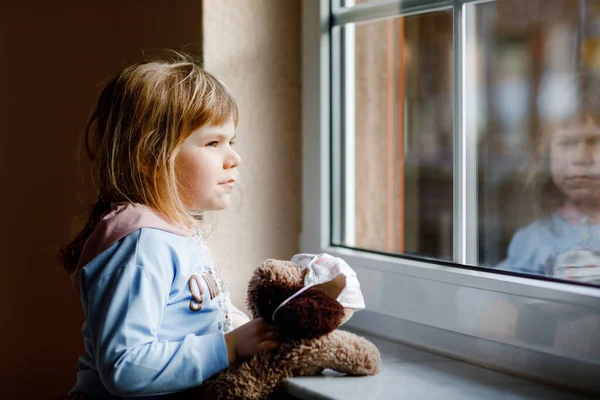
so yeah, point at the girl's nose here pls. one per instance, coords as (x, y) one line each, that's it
(233, 160)
(584, 154)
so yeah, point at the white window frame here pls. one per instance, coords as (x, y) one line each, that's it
(437, 306)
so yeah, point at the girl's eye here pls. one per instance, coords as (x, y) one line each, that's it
(594, 142)
(567, 142)
(231, 143)
(214, 143)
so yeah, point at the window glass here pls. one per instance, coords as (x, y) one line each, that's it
(398, 115)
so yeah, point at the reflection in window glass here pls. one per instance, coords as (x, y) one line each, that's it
(402, 127)
(538, 89)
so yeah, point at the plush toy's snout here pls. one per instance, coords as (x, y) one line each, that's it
(310, 315)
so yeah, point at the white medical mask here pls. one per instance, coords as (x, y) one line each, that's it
(324, 267)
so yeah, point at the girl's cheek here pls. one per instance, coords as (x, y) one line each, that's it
(558, 156)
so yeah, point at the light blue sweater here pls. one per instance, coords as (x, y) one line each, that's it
(534, 248)
(143, 333)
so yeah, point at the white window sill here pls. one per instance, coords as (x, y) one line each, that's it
(411, 373)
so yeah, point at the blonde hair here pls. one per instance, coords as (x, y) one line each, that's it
(576, 98)
(135, 132)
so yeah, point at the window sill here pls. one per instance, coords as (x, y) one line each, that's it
(412, 373)
(540, 330)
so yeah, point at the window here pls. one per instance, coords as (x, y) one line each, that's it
(423, 123)
(400, 182)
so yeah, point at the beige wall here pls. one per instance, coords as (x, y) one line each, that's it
(54, 59)
(254, 47)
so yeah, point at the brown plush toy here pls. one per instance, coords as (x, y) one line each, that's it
(312, 341)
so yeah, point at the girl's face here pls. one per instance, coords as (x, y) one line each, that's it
(575, 162)
(206, 167)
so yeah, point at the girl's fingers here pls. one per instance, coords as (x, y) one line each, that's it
(272, 335)
(268, 345)
(266, 327)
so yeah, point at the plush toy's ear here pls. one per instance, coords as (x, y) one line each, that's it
(332, 288)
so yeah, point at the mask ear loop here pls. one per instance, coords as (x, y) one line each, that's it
(298, 293)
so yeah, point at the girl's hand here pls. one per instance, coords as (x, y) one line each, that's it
(250, 338)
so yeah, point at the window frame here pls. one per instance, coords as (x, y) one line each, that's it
(427, 303)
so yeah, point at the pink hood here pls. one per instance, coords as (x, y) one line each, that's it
(123, 219)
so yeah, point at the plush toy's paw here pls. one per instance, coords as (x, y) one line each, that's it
(352, 354)
(370, 364)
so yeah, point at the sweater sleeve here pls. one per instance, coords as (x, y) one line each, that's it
(527, 252)
(238, 317)
(125, 310)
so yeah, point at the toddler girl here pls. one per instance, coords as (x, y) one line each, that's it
(158, 315)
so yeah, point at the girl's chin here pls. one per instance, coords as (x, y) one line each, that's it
(218, 205)
(585, 197)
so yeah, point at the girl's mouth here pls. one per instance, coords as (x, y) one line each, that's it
(583, 180)
(591, 177)
(230, 182)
